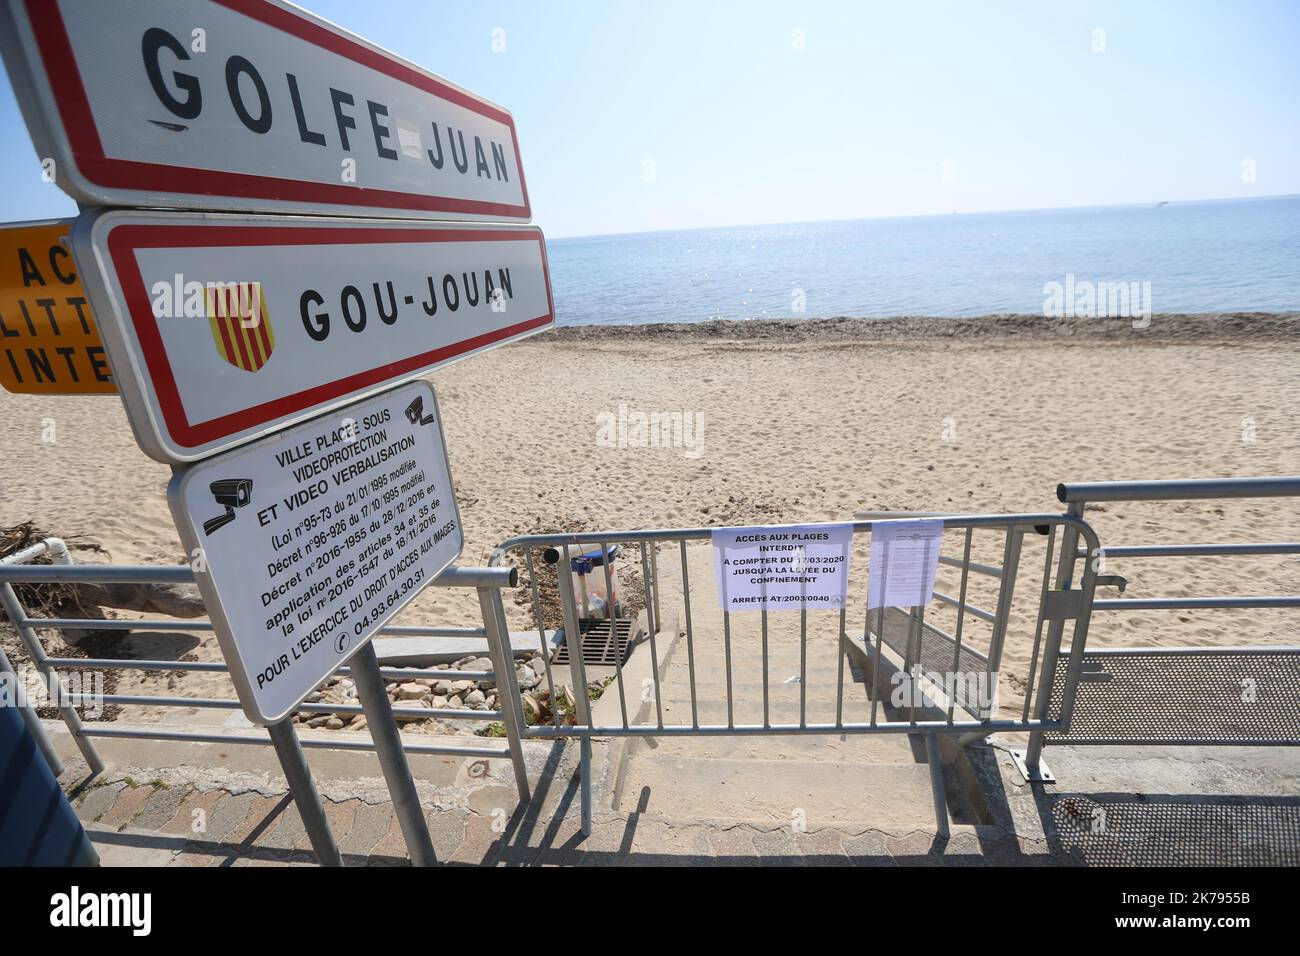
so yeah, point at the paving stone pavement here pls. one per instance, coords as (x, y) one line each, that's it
(155, 824)
(212, 817)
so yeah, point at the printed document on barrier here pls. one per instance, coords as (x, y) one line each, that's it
(783, 567)
(904, 561)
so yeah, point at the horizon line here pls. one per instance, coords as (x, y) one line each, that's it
(927, 215)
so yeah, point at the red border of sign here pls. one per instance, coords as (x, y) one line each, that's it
(124, 240)
(83, 135)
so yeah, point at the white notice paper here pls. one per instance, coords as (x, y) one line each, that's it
(783, 567)
(904, 560)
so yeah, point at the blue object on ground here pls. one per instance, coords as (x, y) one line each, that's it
(38, 826)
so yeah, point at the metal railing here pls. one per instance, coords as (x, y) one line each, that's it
(1054, 611)
(900, 640)
(1078, 495)
(488, 582)
(1205, 681)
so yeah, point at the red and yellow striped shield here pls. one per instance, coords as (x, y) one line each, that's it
(240, 326)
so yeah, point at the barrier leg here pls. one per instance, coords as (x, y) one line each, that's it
(578, 674)
(1030, 761)
(654, 576)
(936, 784)
(652, 622)
(392, 758)
(584, 772)
(503, 665)
(305, 795)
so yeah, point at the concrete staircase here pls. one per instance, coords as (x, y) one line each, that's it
(842, 781)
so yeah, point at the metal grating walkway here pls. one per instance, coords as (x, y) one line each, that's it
(935, 655)
(1227, 696)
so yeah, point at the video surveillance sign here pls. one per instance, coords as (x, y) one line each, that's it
(306, 543)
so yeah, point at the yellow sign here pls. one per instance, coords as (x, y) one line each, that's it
(48, 341)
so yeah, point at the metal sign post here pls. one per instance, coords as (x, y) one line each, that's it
(392, 758)
(305, 795)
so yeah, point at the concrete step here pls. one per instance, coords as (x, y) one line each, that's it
(750, 686)
(777, 671)
(846, 748)
(747, 708)
(811, 793)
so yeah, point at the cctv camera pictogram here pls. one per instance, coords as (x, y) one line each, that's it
(233, 493)
(415, 412)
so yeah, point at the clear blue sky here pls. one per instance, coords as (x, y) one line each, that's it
(898, 108)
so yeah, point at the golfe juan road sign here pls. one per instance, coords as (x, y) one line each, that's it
(250, 105)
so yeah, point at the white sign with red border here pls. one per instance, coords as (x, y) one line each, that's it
(250, 105)
(307, 543)
(221, 329)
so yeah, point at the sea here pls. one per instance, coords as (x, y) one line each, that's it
(1212, 256)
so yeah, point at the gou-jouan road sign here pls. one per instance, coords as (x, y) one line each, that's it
(221, 329)
(250, 105)
(307, 542)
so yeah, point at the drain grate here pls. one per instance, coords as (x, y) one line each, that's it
(597, 647)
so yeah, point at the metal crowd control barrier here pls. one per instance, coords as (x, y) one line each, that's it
(1048, 680)
(488, 582)
(1240, 696)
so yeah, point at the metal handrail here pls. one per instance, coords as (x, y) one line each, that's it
(487, 581)
(1193, 604)
(1179, 489)
(389, 673)
(225, 703)
(313, 743)
(127, 624)
(13, 573)
(1198, 550)
(1080, 494)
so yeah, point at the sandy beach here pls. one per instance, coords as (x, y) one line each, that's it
(795, 421)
